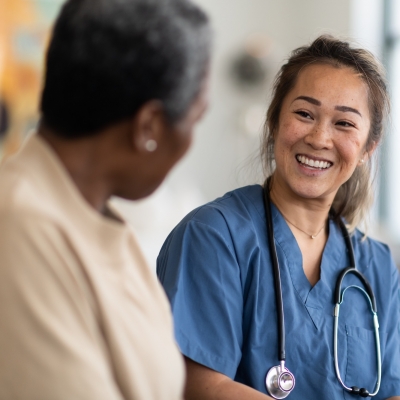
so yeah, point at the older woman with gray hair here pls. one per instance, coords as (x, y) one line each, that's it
(82, 315)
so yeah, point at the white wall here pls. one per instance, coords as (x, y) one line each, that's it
(219, 158)
(221, 147)
(366, 24)
(391, 210)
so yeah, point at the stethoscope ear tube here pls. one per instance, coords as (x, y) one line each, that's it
(367, 286)
(352, 269)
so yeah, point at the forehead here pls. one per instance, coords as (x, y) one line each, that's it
(332, 85)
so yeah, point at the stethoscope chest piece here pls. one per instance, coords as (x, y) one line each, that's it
(279, 382)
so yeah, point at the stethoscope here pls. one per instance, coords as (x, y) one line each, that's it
(279, 381)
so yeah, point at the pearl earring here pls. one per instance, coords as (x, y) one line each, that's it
(362, 161)
(150, 145)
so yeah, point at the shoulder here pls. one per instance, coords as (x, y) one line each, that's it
(29, 236)
(20, 196)
(20, 208)
(28, 216)
(33, 187)
(224, 229)
(370, 247)
(234, 207)
(375, 256)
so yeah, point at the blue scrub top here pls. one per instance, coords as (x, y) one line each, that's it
(216, 269)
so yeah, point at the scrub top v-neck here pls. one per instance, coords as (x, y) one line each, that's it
(216, 269)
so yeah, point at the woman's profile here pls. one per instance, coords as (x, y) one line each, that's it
(82, 315)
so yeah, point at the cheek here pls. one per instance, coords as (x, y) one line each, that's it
(351, 151)
(183, 145)
(287, 136)
(189, 138)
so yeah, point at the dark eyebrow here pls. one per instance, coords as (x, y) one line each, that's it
(309, 99)
(348, 109)
(318, 103)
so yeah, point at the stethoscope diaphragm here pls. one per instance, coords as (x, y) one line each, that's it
(279, 381)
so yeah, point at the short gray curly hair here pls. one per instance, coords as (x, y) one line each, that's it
(108, 57)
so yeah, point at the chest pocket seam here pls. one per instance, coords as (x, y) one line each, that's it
(363, 340)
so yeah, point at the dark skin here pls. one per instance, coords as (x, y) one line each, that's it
(115, 160)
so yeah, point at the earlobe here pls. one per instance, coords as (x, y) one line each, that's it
(363, 159)
(147, 127)
(371, 149)
(151, 145)
(368, 153)
(273, 134)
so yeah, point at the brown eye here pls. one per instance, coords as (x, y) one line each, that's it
(304, 114)
(346, 124)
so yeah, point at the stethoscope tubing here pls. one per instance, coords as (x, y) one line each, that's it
(277, 280)
(377, 342)
(338, 298)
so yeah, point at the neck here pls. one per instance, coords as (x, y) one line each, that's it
(83, 160)
(302, 214)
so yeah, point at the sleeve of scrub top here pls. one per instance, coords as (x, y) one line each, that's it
(391, 359)
(199, 271)
(49, 348)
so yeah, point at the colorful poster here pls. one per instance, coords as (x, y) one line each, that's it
(24, 31)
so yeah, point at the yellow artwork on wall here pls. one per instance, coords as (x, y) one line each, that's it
(24, 30)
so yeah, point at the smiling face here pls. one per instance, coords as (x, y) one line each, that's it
(322, 134)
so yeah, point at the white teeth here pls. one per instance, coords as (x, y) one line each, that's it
(313, 163)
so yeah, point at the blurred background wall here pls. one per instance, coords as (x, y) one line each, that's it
(252, 39)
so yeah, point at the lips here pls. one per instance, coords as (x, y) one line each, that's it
(318, 164)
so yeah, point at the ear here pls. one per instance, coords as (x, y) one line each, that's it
(368, 153)
(148, 127)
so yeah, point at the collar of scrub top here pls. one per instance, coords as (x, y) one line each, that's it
(279, 380)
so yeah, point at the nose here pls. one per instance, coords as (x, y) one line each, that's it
(319, 137)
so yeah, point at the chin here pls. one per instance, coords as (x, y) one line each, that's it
(309, 191)
(138, 194)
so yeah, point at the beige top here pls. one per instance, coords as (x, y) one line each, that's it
(81, 314)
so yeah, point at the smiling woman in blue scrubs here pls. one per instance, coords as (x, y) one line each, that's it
(323, 125)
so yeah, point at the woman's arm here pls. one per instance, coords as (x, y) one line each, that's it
(206, 384)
